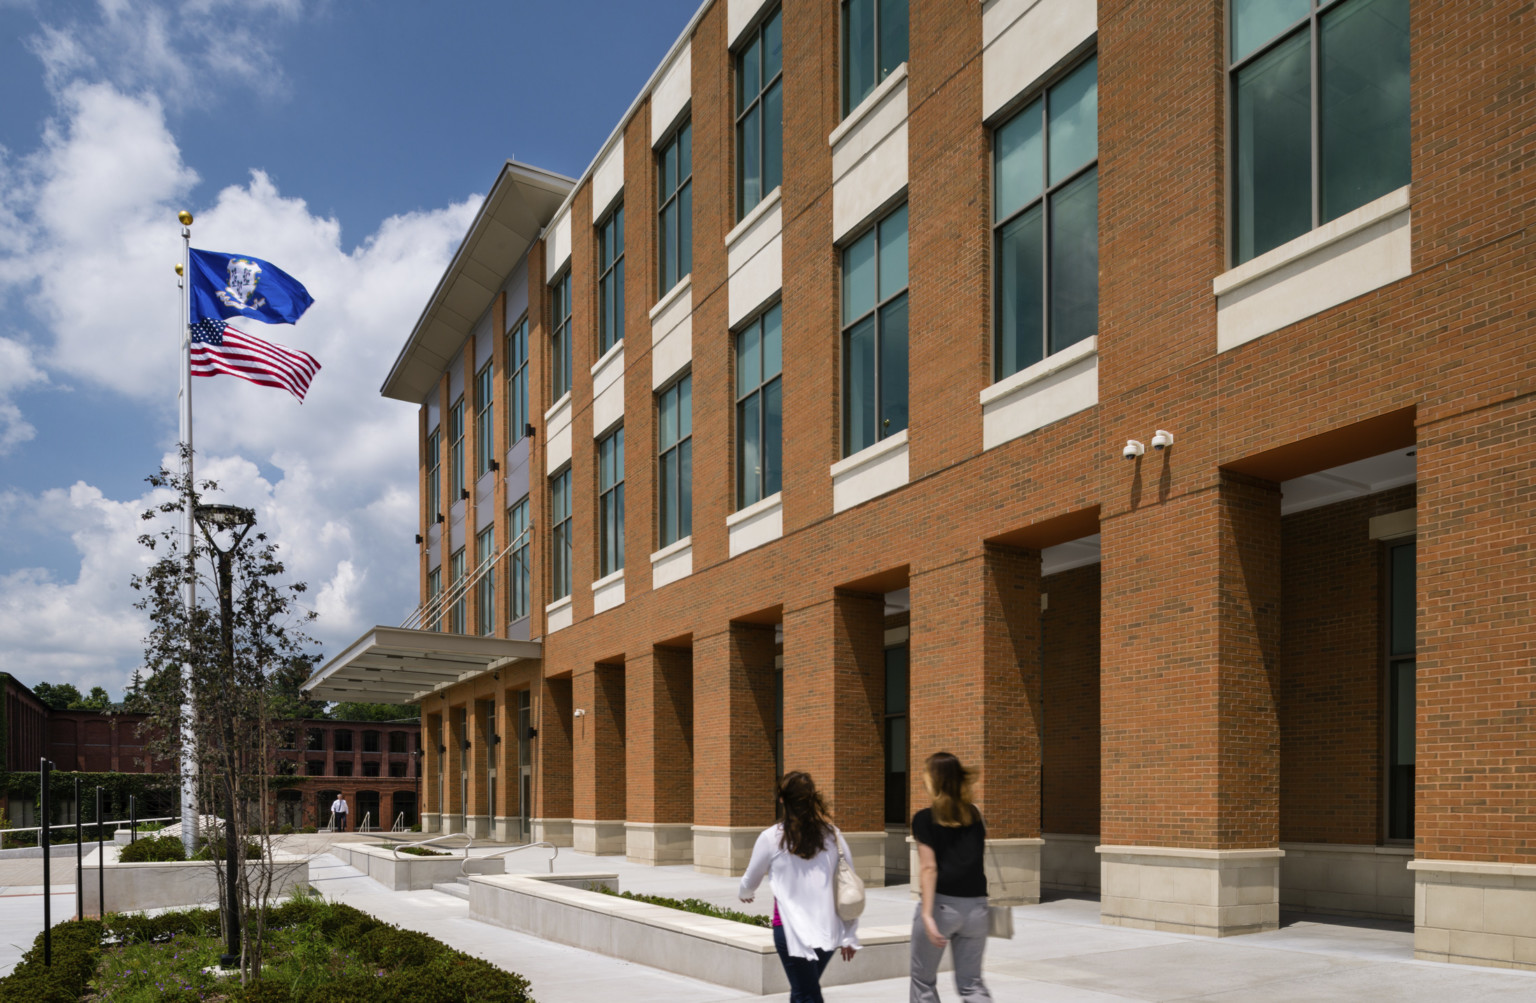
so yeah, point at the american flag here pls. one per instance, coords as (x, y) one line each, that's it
(218, 348)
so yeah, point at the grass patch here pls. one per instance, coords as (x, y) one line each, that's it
(696, 906)
(315, 952)
(416, 851)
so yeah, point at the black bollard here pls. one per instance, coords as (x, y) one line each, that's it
(133, 820)
(79, 862)
(101, 862)
(44, 770)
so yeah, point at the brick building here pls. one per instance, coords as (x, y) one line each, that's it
(1134, 399)
(372, 764)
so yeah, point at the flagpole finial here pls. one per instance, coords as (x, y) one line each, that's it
(185, 217)
(179, 269)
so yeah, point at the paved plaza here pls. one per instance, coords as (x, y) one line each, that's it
(1060, 952)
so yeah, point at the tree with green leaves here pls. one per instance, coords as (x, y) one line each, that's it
(57, 696)
(375, 712)
(241, 678)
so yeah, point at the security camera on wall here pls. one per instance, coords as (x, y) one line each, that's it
(1133, 448)
(1162, 440)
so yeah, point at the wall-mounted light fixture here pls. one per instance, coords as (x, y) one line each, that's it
(579, 713)
(1162, 440)
(440, 518)
(1133, 449)
(529, 430)
(464, 493)
(418, 538)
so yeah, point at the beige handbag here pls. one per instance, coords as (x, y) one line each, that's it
(847, 887)
(1000, 917)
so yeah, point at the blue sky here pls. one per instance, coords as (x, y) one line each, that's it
(347, 141)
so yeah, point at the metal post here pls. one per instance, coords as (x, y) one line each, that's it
(44, 772)
(189, 588)
(101, 862)
(79, 863)
(133, 820)
(231, 958)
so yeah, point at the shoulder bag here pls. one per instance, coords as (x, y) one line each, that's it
(847, 886)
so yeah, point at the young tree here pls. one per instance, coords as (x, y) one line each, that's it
(234, 690)
(58, 696)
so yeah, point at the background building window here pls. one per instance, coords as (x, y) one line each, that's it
(896, 673)
(560, 341)
(610, 502)
(517, 381)
(1320, 113)
(485, 432)
(610, 281)
(674, 460)
(520, 528)
(875, 334)
(314, 768)
(759, 408)
(456, 450)
(342, 740)
(434, 589)
(344, 768)
(1402, 695)
(456, 583)
(1046, 210)
(560, 533)
(434, 475)
(760, 113)
(398, 742)
(370, 741)
(874, 44)
(674, 229)
(370, 769)
(485, 589)
(397, 770)
(315, 740)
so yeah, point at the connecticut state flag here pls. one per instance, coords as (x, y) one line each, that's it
(231, 285)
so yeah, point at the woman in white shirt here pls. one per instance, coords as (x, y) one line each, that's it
(799, 856)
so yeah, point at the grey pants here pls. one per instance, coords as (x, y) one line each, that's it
(964, 922)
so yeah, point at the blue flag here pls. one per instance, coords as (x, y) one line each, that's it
(238, 285)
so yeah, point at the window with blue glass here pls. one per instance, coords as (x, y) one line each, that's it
(520, 578)
(674, 461)
(760, 113)
(875, 334)
(610, 502)
(517, 381)
(560, 533)
(610, 281)
(874, 44)
(674, 223)
(759, 408)
(560, 339)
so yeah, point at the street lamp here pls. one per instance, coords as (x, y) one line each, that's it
(234, 522)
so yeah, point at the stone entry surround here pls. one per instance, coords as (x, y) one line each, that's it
(658, 842)
(1217, 893)
(1474, 912)
(602, 837)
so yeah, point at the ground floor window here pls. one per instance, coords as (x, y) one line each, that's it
(1402, 702)
(896, 666)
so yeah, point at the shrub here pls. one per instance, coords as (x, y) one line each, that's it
(76, 951)
(213, 849)
(696, 906)
(261, 991)
(423, 851)
(392, 947)
(153, 850)
(138, 928)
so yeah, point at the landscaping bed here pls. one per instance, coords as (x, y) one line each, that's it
(315, 952)
(696, 906)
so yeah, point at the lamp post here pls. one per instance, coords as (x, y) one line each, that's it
(236, 521)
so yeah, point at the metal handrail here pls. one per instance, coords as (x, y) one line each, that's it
(70, 825)
(468, 842)
(432, 609)
(367, 823)
(399, 825)
(513, 849)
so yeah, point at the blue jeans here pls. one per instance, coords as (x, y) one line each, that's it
(804, 975)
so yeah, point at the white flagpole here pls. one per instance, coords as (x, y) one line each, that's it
(188, 738)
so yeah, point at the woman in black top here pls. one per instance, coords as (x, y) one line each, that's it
(951, 840)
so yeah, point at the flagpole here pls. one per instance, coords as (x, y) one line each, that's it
(189, 589)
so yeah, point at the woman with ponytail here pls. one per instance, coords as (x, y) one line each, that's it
(799, 857)
(951, 839)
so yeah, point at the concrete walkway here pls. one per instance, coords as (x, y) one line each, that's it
(1061, 951)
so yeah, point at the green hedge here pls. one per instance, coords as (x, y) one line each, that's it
(697, 906)
(76, 951)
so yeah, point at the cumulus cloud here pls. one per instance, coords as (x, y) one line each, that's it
(91, 257)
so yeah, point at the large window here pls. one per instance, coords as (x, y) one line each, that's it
(610, 281)
(1320, 113)
(485, 411)
(760, 113)
(520, 529)
(1046, 210)
(875, 334)
(896, 673)
(674, 460)
(1402, 696)
(560, 341)
(874, 44)
(610, 502)
(434, 475)
(560, 533)
(434, 589)
(517, 381)
(674, 227)
(456, 580)
(456, 450)
(759, 408)
(485, 588)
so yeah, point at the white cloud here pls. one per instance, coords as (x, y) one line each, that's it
(17, 372)
(95, 208)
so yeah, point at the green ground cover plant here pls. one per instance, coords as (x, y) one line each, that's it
(317, 952)
(418, 851)
(697, 906)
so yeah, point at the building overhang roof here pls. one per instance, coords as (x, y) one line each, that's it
(393, 665)
(520, 204)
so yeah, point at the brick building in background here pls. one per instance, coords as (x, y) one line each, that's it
(805, 430)
(373, 764)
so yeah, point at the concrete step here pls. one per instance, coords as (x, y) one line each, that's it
(458, 889)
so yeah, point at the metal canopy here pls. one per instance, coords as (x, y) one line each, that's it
(399, 666)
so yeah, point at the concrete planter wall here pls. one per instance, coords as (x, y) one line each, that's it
(701, 947)
(407, 873)
(135, 887)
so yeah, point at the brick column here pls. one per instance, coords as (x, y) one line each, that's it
(552, 762)
(597, 825)
(504, 823)
(1191, 617)
(477, 816)
(1475, 852)
(659, 738)
(975, 688)
(431, 807)
(453, 807)
(834, 715)
(734, 683)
